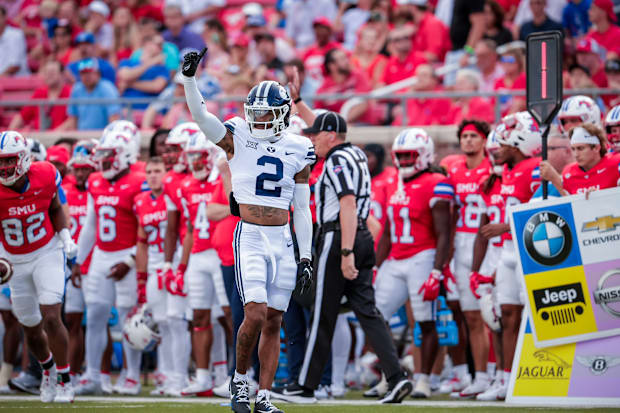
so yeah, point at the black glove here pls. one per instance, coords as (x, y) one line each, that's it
(234, 206)
(305, 276)
(191, 61)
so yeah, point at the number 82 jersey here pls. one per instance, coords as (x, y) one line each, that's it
(263, 172)
(26, 225)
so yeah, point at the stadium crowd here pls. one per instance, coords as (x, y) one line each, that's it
(152, 239)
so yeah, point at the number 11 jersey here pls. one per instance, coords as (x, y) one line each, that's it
(117, 224)
(263, 172)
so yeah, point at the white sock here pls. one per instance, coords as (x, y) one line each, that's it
(164, 349)
(262, 394)
(134, 357)
(482, 375)
(416, 376)
(341, 347)
(96, 338)
(491, 367)
(460, 370)
(241, 377)
(423, 378)
(6, 371)
(435, 380)
(506, 378)
(180, 346)
(360, 340)
(204, 376)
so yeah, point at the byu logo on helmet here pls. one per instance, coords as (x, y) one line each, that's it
(547, 238)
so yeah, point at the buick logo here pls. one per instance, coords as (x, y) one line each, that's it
(547, 238)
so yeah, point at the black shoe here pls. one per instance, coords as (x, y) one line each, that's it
(294, 393)
(399, 392)
(240, 396)
(265, 406)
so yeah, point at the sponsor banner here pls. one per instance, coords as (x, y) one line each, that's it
(585, 373)
(569, 253)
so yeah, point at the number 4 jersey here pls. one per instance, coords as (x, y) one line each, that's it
(26, 224)
(263, 172)
(117, 224)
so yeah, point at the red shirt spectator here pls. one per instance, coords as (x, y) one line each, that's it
(366, 56)
(404, 61)
(53, 88)
(432, 38)
(474, 108)
(604, 30)
(589, 55)
(514, 79)
(341, 78)
(314, 56)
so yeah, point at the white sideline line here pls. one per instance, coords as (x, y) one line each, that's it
(215, 400)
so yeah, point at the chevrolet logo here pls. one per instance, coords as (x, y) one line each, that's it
(602, 224)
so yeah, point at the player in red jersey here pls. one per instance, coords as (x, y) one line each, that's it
(415, 242)
(82, 165)
(111, 227)
(466, 175)
(206, 203)
(36, 240)
(486, 257)
(174, 265)
(129, 128)
(520, 143)
(594, 168)
(150, 208)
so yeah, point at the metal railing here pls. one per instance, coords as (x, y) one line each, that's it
(402, 99)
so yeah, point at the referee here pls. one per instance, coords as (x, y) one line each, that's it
(343, 262)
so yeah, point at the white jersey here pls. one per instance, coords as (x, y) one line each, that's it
(263, 172)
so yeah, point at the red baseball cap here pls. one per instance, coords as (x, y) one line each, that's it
(58, 153)
(322, 21)
(608, 7)
(587, 45)
(241, 40)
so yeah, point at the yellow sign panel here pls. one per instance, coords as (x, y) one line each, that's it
(543, 372)
(560, 303)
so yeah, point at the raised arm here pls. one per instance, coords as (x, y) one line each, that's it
(210, 125)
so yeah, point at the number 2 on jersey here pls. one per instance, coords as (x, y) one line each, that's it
(265, 176)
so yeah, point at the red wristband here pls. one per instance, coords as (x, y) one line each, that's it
(182, 267)
(142, 276)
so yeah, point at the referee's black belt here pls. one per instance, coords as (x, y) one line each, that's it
(335, 225)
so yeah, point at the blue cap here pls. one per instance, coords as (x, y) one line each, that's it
(85, 37)
(256, 20)
(89, 64)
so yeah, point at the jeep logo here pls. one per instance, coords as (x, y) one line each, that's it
(560, 297)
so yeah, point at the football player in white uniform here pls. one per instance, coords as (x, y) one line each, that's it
(270, 170)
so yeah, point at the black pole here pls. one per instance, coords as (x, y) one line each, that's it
(544, 158)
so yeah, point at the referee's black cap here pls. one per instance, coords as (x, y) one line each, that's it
(327, 122)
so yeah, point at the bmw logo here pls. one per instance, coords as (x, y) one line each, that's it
(547, 238)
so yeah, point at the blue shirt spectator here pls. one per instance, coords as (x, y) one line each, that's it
(178, 34)
(86, 50)
(92, 116)
(146, 77)
(575, 17)
(107, 70)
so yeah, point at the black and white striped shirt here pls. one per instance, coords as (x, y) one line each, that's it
(345, 172)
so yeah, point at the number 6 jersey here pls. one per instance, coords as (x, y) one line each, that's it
(263, 172)
(26, 224)
(117, 224)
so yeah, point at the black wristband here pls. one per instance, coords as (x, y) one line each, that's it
(296, 101)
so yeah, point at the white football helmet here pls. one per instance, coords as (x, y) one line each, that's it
(492, 146)
(613, 119)
(114, 154)
(15, 157)
(201, 154)
(128, 128)
(521, 131)
(267, 98)
(38, 152)
(83, 154)
(579, 107)
(141, 331)
(179, 136)
(490, 309)
(412, 151)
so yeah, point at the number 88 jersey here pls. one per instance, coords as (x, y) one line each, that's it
(26, 225)
(117, 225)
(263, 172)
